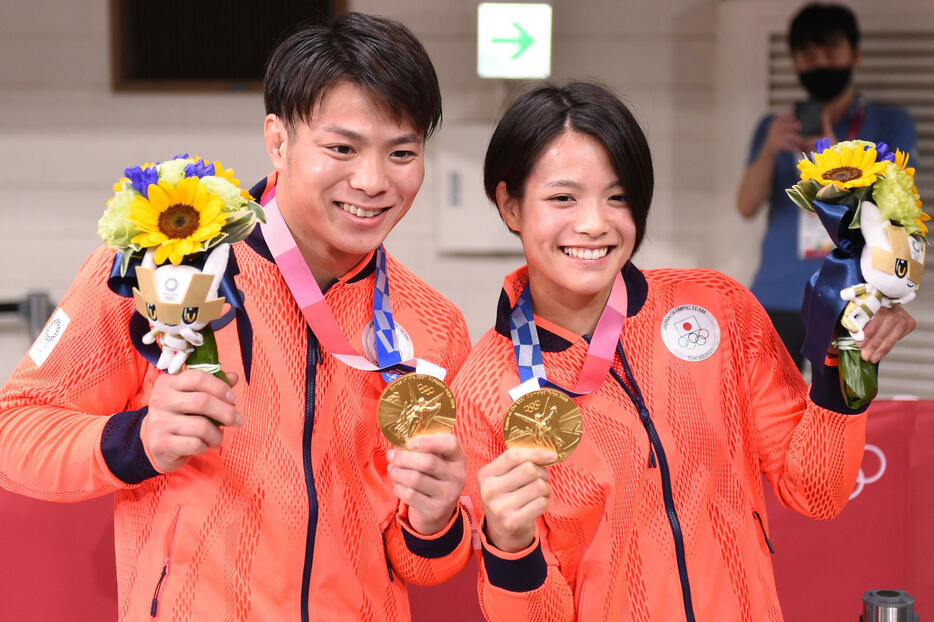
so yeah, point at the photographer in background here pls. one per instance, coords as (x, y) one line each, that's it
(824, 44)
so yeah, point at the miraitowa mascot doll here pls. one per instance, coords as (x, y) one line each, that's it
(866, 199)
(179, 301)
(173, 223)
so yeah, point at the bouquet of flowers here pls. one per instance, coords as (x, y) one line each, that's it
(175, 221)
(868, 202)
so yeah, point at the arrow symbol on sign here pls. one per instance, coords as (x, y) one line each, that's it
(524, 40)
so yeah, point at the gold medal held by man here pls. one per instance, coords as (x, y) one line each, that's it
(545, 419)
(413, 405)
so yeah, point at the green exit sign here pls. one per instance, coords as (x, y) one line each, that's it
(513, 40)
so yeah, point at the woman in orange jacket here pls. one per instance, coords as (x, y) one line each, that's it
(659, 513)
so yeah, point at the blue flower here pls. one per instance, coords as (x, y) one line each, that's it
(180, 156)
(821, 145)
(883, 153)
(199, 169)
(141, 177)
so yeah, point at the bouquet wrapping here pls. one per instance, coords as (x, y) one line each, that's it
(867, 200)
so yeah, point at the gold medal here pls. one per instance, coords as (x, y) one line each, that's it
(415, 404)
(545, 419)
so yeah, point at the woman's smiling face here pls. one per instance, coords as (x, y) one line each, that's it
(576, 227)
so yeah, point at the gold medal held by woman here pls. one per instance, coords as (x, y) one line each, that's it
(415, 404)
(545, 419)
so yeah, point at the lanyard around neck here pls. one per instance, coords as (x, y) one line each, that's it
(310, 299)
(856, 123)
(600, 352)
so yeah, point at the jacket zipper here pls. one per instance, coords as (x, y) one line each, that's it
(311, 369)
(386, 554)
(635, 396)
(170, 537)
(764, 534)
(154, 607)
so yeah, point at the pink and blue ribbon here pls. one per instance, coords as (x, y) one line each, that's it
(314, 307)
(600, 352)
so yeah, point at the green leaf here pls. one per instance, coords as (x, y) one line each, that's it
(131, 252)
(798, 194)
(215, 241)
(859, 379)
(239, 231)
(125, 262)
(831, 194)
(259, 211)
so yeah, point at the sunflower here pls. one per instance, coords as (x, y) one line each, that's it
(178, 219)
(901, 161)
(920, 223)
(844, 166)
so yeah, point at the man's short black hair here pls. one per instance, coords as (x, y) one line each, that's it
(378, 54)
(823, 24)
(543, 114)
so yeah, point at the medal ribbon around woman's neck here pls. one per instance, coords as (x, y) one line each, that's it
(599, 354)
(546, 418)
(310, 299)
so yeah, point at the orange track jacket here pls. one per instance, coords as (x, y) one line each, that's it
(294, 517)
(659, 513)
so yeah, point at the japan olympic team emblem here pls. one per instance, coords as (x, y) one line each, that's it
(691, 333)
(862, 479)
(403, 342)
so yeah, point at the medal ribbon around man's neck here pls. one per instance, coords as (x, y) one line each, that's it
(599, 354)
(310, 299)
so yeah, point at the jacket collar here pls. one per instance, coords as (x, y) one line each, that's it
(551, 337)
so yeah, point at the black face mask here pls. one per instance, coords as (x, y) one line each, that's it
(827, 82)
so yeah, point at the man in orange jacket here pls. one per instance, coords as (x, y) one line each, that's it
(294, 508)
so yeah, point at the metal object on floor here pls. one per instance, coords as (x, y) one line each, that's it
(888, 606)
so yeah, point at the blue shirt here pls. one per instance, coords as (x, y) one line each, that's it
(779, 284)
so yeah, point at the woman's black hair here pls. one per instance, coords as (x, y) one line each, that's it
(543, 114)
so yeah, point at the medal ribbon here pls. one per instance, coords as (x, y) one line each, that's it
(599, 354)
(310, 299)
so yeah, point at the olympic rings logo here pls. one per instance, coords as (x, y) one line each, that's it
(861, 479)
(694, 339)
